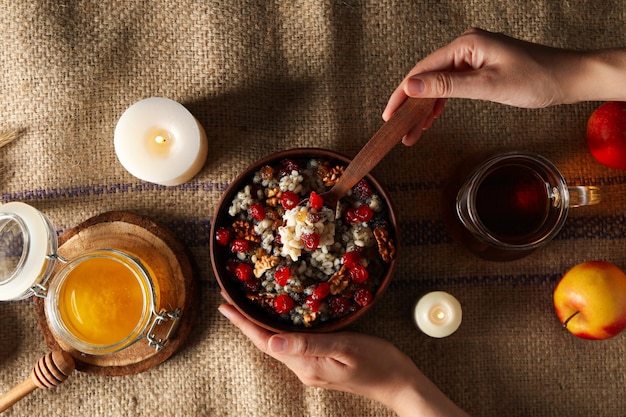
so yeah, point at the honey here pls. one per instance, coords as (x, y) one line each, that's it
(101, 301)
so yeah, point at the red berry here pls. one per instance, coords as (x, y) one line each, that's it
(243, 272)
(358, 274)
(350, 215)
(311, 241)
(312, 217)
(289, 200)
(283, 304)
(321, 291)
(240, 245)
(282, 275)
(313, 304)
(363, 296)
(363, 190)
(339, 305)
(364, 213)
(223, 236)
(351, 258)
(287, 166)
(257, 211)
(316, 201)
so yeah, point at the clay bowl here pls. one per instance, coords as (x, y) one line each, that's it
(236, 292)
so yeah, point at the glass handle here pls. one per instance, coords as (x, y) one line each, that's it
(583, 195)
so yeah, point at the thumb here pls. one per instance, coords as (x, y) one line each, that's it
(466, 84)
(304, 344)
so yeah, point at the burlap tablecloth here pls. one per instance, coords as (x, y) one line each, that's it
(265, 76)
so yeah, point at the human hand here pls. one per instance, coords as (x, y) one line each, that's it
(351, 362)
(488, 66)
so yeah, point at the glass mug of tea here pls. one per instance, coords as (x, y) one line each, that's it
(514, 202)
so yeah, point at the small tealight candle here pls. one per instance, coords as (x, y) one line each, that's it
(438, 314)
(158, 140)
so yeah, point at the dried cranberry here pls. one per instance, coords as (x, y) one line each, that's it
(321, 291)
(311, 241)
(313, 217)
(364, 213)
(362, 190)
(350, 215)
(223, 236)
(289, 200)
(316, 201)
(351, 258)
(243, 272)
(339, 305)
(283, 304)
(278, 239)
(313, 304)
(282, 275)
(358, 274)
(363, 296)
(240, 245)
(257, 211)
(287, 166)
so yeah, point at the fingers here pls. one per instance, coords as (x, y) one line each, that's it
(474, 84)
(413, 136)
(396, 98)
(435, 76)
(281, 346)
(312, 345)
(416, 132)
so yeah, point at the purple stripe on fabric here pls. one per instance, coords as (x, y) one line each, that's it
(435, 185)
(87, 190)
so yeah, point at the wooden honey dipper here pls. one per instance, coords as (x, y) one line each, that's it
(49, 371)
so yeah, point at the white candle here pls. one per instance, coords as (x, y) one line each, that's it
(158, 140)
(438, 314)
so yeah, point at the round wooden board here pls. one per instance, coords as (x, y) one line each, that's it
(168, 260)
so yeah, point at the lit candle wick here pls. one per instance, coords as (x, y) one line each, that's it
(159, 139)
(438, 315)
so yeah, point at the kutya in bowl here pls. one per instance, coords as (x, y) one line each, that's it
(286, 260)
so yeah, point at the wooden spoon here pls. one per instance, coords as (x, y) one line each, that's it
(413, 112)
(50, 371)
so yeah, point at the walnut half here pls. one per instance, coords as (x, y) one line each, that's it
(339, 281)
(385, 245)
(264, 262)
(330, 175)
(245, 230)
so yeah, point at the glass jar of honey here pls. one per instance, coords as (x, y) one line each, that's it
(98, 303)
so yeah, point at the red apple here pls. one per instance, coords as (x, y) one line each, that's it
(606, 134)
(590, 300)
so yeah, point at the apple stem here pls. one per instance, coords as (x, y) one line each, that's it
(568, 319)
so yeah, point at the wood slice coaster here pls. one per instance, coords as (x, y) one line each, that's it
(167, 258)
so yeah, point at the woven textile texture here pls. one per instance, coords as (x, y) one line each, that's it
(263, 76)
